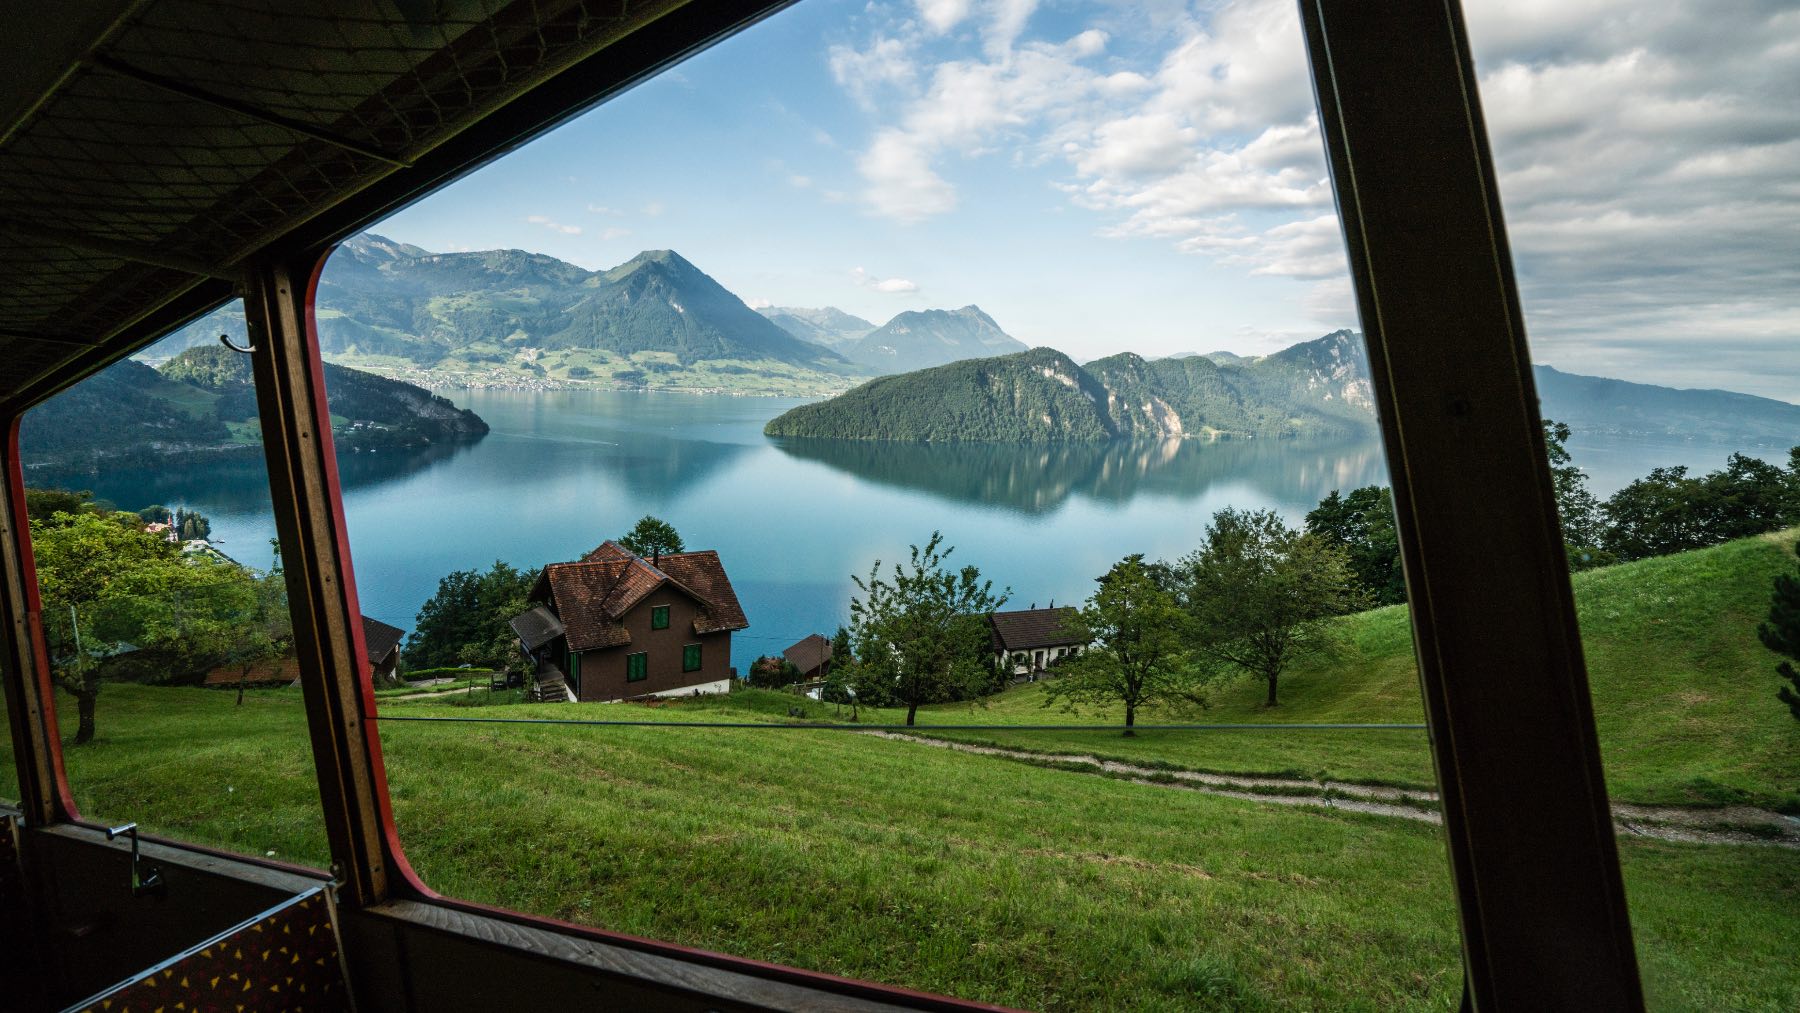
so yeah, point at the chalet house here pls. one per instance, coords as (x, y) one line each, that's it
(812, 657)
(617, 626)
(1028, 641)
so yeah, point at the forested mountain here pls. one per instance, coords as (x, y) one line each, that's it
(828, 325)
(500, 313)
(202, 402)
(920, 338)
(1314, 388)
(1043, 396)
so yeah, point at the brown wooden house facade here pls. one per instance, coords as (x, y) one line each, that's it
(617, 626)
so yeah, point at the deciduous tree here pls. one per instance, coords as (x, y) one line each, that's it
(922, 636)
(652, 537)
(1136, 653)
(1362, 524)
(1259, 593)
(465, 621)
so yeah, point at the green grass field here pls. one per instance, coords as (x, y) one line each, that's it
(1684, 694)
(1022, 884)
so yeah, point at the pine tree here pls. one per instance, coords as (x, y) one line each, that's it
(1781, 634)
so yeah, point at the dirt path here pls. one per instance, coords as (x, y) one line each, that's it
(1729, 825)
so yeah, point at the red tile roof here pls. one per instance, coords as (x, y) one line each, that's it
(703, 576)
(592, 596)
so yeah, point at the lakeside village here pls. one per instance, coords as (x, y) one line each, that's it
(143, 597)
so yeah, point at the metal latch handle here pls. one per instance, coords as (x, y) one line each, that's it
(144, 878)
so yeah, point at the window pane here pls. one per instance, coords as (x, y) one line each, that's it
(164, 608)
(1104, 231)
(1658, 249)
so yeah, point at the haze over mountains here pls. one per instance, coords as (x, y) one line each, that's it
(513, 318)
(912, 340)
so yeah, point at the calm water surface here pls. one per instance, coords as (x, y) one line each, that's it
(792, 520)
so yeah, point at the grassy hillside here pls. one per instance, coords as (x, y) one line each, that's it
(980, 877)
(1684, 694)
(1025, 884)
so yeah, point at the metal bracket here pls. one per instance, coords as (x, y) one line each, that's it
(144, 878)
(226, 341)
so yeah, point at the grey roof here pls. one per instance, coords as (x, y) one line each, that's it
(1033, 628)
(380, 639)
(536, 627)
(809, 653)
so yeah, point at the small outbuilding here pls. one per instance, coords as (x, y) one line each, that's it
(812, 656)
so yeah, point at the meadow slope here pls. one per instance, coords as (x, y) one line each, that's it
(1024, 884)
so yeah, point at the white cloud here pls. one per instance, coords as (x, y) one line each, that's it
(901, 182)
(758, 304)
(653, 209)
(554, 226)
(869, 73)
(601, 209)
(615, 232)
(891, 286)
(943, 15)
(1646, 155)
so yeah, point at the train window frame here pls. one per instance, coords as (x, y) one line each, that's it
(1427, 400)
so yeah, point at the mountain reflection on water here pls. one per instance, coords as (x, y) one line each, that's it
(791, 519)
(1038, 479)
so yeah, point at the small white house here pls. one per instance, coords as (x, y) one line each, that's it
(1027, 642)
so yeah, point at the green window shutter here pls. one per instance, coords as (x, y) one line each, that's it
(637, 667)
(659, 617)
(690, 658)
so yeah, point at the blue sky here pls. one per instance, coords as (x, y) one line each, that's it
(1104, 176)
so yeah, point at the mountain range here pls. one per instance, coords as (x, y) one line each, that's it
(517, 318)
(914, 339)
(1313, 388)
(513, 318)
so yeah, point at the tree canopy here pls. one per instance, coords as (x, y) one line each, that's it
(1671, 511)
(114, 593)
(1137, 646)
(1362, 524)
(922, 636)
(652, 537)
(466, 621)
(1258, 593)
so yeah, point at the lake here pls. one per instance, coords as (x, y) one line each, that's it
(792, 520)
